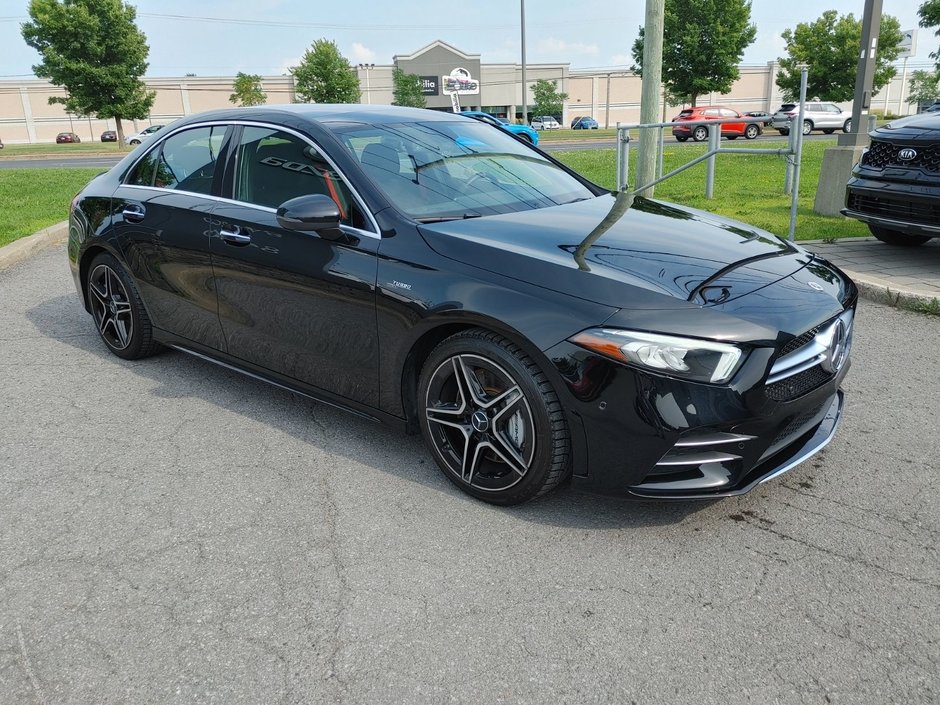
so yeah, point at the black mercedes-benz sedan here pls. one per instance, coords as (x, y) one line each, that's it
(436, 273)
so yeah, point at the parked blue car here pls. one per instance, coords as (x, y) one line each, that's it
(585, 122)
(522, 131)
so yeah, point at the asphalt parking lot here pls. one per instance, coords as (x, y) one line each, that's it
(174, 532)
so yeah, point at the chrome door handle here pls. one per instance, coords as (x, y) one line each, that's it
(134, 212)
(235, 236)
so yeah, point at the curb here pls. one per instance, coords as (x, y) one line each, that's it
(25, 247)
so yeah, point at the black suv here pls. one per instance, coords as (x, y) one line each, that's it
(895, 188)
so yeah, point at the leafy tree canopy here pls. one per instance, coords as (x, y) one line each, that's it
(407, 90)
(325, 76)
(924, 87)
(548, 101)
(929, 13)
(703, 42)
(92, 49)
(247, 90)
(830, 47)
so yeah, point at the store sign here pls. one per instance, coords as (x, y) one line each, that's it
(908, 45)
(459, 82)
(430, 85)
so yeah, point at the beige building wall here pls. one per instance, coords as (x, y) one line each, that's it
(27, 117)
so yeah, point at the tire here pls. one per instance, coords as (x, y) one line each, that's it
(751, 131)
(829, 131)
(807, 127)
(134, 142)
(117, 310)
(700, 133)
(784, 132)
(468, 387)
(732, 137)
(847, 126)
(682, 139)
(525, 137)
(898, 239)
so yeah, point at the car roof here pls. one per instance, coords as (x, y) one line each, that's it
(321, 112)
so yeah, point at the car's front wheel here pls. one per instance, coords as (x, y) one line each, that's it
(491, 419)
(134, 142)
(899, 239)
(751, 131)
(700, 133)
(807, 127)
(847, 126)
(117, 310)
(784, 132)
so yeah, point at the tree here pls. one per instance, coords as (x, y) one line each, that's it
(548, 101)
(247, 90)
(929, 18)
(830, 48)
(92, 49)
(924, 87)
(703, 42)
(325, 76)
(407, 90)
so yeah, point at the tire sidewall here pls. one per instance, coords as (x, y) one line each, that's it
(135, 348)
(482, 344)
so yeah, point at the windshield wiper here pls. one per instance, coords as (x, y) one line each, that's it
(446, 218)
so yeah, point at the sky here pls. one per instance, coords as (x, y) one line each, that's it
(267, 37)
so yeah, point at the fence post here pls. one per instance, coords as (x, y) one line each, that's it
(623, 158)
(714, 144)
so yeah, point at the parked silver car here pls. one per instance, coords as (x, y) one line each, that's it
(827, 117)
(545, 122)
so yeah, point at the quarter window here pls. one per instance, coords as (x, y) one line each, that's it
(274, 167)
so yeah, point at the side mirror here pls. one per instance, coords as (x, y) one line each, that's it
(313, 213)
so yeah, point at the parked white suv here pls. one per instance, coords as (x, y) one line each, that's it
(545, 122)
(827, 117)
(142, 135)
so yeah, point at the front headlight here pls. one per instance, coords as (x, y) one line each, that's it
(689, 358)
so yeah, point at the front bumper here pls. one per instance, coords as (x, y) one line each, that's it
(642, 435)
(910, 208)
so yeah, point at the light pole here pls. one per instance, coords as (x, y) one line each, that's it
(367, 68)
(525, 94)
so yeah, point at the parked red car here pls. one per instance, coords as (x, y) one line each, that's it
(65, 137)
(731, 130)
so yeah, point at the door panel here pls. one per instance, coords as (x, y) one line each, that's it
(162, 216)
(292, 302)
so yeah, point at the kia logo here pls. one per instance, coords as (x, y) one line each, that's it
(907, 154)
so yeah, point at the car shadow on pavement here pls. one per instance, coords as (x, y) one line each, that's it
(176, 375)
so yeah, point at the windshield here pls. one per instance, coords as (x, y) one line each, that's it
(462, 169)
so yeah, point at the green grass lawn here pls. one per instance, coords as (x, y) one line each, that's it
(33, 199)
(747, 187)
(52, 149)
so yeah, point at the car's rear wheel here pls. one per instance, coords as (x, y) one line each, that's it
(751, 131)
(134, 142)
(899, 239)
(492, 420)
(784, 132)
(118, 312)
(732, 137)
(682, 139)
(847, 126)
(700, 133)
(525, 137)
(807, 127)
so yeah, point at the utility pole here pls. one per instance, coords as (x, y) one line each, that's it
(871, 26)
(652, 89)
(525, 88)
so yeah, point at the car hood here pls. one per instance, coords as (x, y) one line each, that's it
(914, 127)
(623, 251)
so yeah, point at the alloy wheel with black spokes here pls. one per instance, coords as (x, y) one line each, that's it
(116, 308)
(492, 420)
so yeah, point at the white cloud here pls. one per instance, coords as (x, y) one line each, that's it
(361, 54)
(287, 65)
(621, 60)
(560, 50)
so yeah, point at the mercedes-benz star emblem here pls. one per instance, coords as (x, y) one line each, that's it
(837, 350)
(907, 154)
(479, 421)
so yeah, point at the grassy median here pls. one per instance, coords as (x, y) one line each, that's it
(747, 188)
(33, 199)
